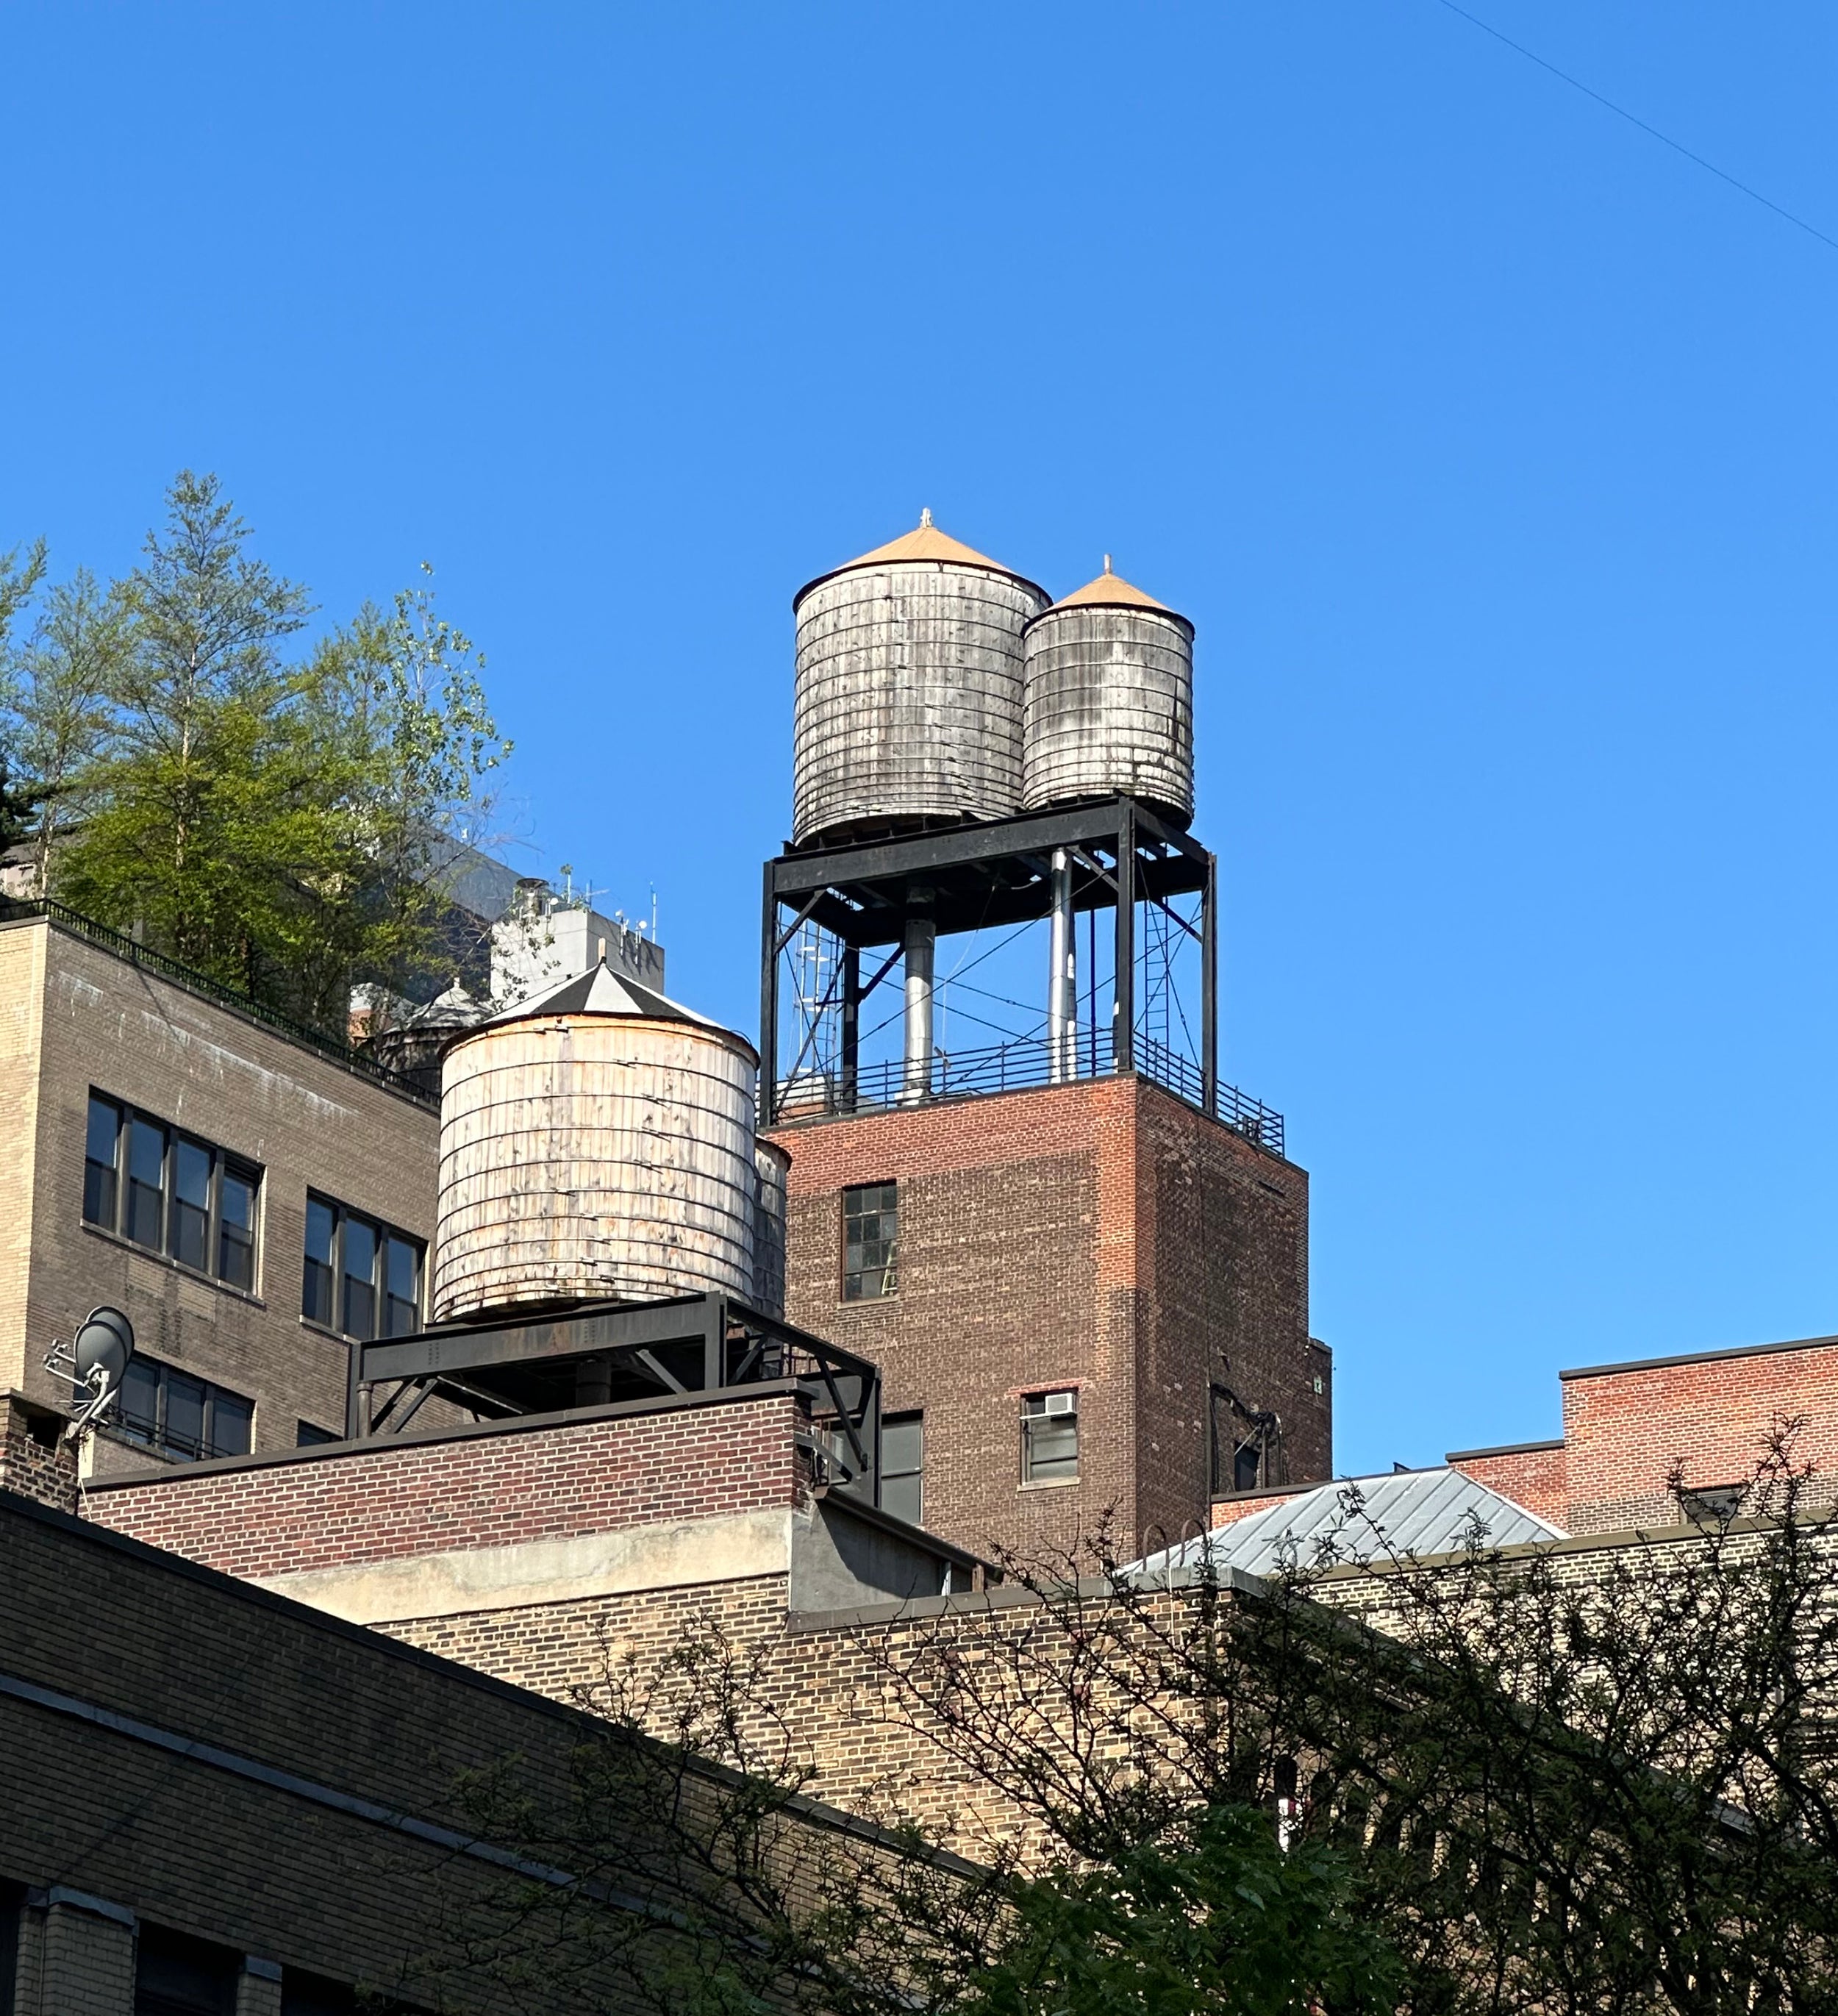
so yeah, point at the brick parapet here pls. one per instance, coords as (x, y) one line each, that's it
(1626, 1427)
(35, 1460)
(516, 1482)
(1532, 1474)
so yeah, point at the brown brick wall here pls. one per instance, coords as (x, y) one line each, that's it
(35, 1460)
(426, 1495)
(1534, 1477)
(1102, 1236)
(73, 1016)
(1624, 1428)
(250, 1865)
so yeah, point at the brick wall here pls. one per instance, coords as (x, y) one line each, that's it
(73, 1016)
(1533, 1475)
(1100, 1236)
(236, 1857)
(1233, 1506)
(428, 1494)
(1625, 1426)
(34, 1460)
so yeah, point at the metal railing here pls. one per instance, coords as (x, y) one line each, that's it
(18, 908)
(1021, 1065)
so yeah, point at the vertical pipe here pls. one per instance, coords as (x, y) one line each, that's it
(921, 941)
(1122, 1013)
(1209, 990)
(768, 1102)
(1061, 976)
(850, 1060)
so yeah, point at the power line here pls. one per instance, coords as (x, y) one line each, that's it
(1621, 112)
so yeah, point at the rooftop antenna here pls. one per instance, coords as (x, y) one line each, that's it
(654, 913)
(94, 1363)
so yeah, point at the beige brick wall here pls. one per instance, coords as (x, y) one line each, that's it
(96, 1020)
(22, 997)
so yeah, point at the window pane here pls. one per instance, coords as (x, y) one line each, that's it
(235, 1244)
(147, 1166)
(139, 1403)
(1049, 1437)
(191, 1203)
(315, 1300)
(309, 1435)
(231, 1418)
(99, 1152)
(359, 1241)
(402, 1309)
(903, 1450)
(184, 1430)
(902, 1442)
(871, 1221)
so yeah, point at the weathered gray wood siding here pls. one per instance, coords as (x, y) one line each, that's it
(1108, 707)
(908, 700)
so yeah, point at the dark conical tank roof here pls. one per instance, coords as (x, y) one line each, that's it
(601, 992)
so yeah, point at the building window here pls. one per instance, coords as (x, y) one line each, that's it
(1049, 1437)
(361, 1278)
(169, 1193)
(170, 1411)
(311, 1435)
(903, 1466)
(1244, 1440)
(871, 1238)
(177, 1976)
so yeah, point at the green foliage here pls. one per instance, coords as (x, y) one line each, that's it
(281, 822)
(1212, 1919)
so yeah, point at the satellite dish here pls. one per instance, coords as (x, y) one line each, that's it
(103, 1344)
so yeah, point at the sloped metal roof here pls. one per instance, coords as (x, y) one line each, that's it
(1361, 1519)
(602, 991)
(1111, 591)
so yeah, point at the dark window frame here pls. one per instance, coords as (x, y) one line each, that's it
(870, 1265)
(169, 1380)
(333, 1311)
(111, 1188)
(1039, 1407)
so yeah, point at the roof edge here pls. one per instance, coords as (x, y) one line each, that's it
(1697, 1357)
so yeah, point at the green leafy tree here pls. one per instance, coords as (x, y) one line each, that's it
(196, 783)
(286, 823)
(20, 578)
(60, 720)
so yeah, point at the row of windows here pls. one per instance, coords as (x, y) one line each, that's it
(197, 1204)
(188, 1418)
(1050, 1451)
(169, 1193)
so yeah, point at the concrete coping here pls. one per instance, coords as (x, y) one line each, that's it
(902, 1529)
(1504, 1448)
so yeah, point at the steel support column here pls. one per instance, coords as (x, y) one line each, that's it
(851, 1060)
(1123, 1034)
(1061, 976)
(1209, 990)
(921, 941)
(768, 1102)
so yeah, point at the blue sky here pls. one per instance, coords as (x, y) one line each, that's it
(1488, 444)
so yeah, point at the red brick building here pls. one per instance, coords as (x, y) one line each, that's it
(1102, 1241)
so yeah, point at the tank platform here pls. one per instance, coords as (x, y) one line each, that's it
(598, 1354)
